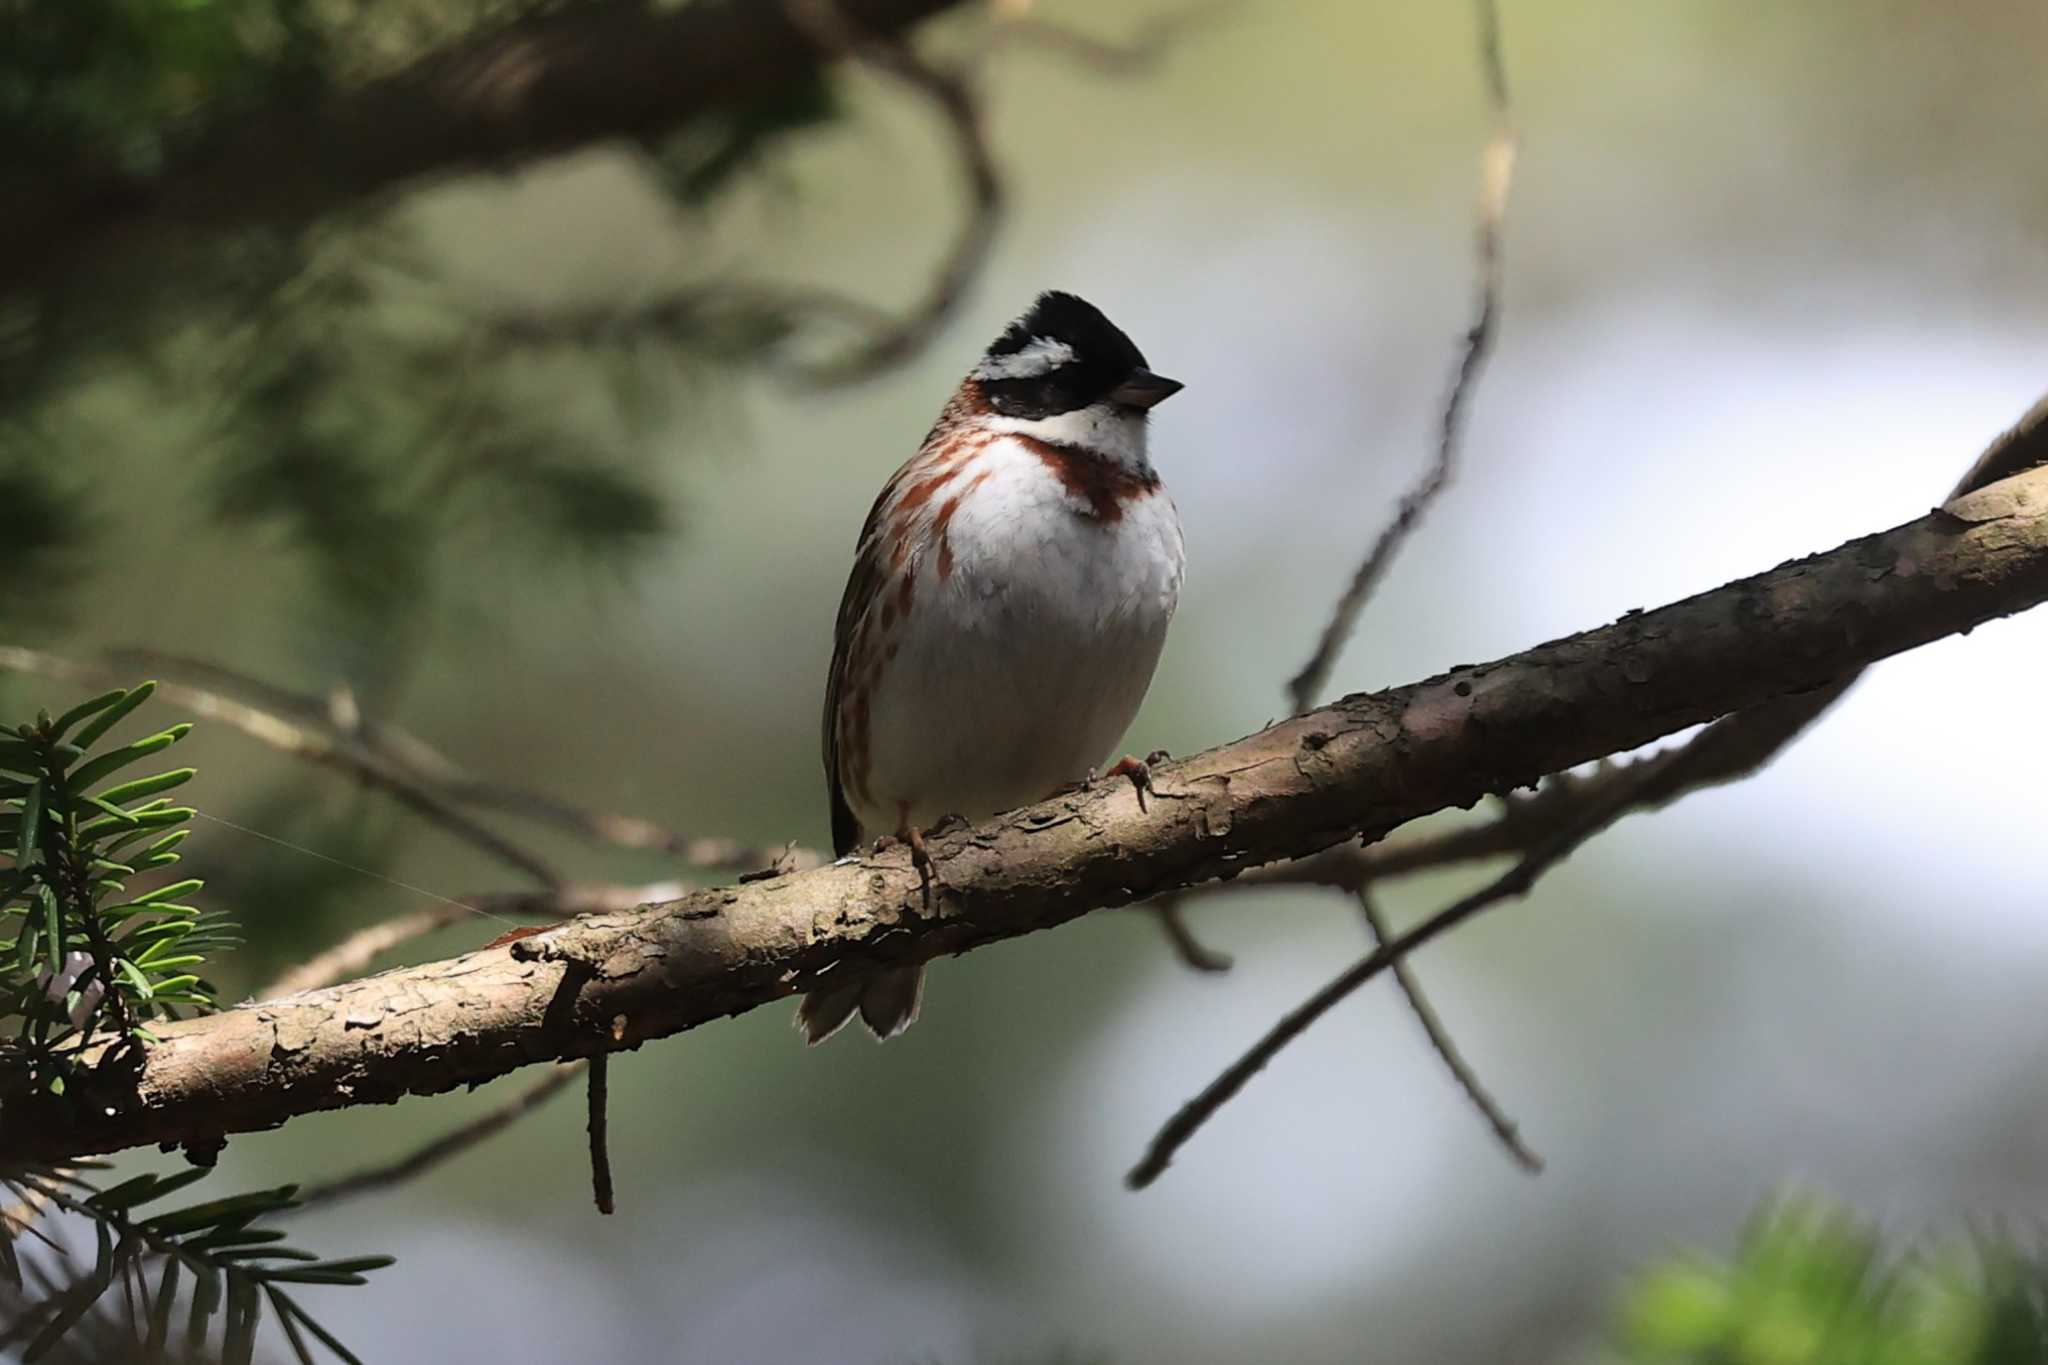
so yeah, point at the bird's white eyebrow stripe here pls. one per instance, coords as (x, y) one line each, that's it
(1040, 355)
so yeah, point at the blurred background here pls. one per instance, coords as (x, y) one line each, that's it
(1774, 276)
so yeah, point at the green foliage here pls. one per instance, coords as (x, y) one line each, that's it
(90, 959)
(228, 1267)
(84, 956)
(405, 444)
(391, 463)
(1810, 1285)
(115, 85)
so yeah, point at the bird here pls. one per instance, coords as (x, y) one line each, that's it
(1009, 600)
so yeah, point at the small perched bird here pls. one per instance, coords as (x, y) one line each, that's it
(1010, 595)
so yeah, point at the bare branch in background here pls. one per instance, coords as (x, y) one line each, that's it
(884, 339)
(953, 95)
(1576, 809)
(332, 732)
(1732, 752)
(676, 315)
(1360, 767)
(1190, 949)
(300, 741)
(1461, 1071)
(449, 1145)
(1728, 750)
(1154, 37)
(1496, 175)
(1185, 1124)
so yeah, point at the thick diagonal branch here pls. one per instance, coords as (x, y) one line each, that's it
(1359, 767)
(560, 78)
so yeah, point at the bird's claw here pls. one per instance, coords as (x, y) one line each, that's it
(920, 857)
(1139, 770)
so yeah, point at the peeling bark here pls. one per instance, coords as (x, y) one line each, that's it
(1359, 767)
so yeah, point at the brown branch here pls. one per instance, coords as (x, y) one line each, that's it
(445, 1147)
(1504, 1128)
(1361, 766)
(1565, 814)
(560, 78)
(356, 952)
(1497, 169)
(1728, 750)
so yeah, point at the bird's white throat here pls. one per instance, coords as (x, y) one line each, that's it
(1114, 433)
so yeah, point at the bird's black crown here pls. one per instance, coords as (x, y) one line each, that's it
(1059, 357)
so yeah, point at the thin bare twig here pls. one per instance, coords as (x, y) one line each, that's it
(886, 339)
(712, 853)
(1154, 37)
(1728, 750)
(953, 95)
(1188, 1121)
(356, 952)
(300, 741)
(1191, 950)
(600, 1152)
(1461, 1071)
(450, 1144)
(1550, 824)
(335, 722)
(1497, 168)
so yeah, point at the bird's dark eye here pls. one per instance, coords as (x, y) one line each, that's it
(1031, 399)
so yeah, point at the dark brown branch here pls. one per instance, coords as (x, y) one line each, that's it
(1504, 1128)
(356, 952)
(446, 1147)
(561, 78)
(1496, 175)
(1360, 767)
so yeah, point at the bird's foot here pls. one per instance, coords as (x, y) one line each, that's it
(921, 859)
(913, 838)
(1139, 771)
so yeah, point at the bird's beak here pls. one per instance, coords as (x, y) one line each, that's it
(1143, 389)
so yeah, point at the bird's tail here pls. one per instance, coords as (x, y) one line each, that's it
(887, 1001)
